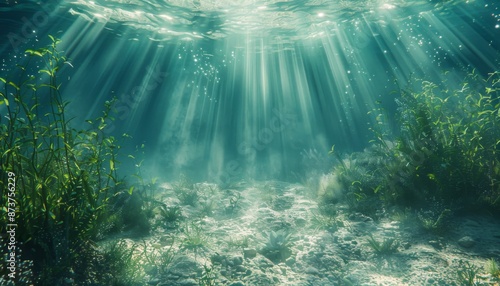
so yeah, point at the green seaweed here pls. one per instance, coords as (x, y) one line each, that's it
(492, 268)
(446, 150)
(278, 246)
(386, 247)
(65, 178)
(467, 274)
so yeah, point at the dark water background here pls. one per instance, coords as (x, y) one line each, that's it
(225, 90)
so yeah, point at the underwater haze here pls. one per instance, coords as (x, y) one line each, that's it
(372, 124)
(222, 90)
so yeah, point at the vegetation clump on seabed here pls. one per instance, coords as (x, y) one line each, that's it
(446, 151)
(66, 179)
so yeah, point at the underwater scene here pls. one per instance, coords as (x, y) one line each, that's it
(250, 142)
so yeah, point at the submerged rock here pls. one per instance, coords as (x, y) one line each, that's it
(311, 270)
(187, 282)
(249, 253)
(185, 266)
(466, 242)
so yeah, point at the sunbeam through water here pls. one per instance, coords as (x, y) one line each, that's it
(225, 91)
(222, 90)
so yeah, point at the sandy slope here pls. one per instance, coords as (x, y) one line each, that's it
(327, 247)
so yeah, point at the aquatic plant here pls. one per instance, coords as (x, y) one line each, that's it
(278, 246)
(186, 191)
(188, 196)
(434, 223)
(268, 193)
(135, 215)
(359, 175)
(467, 274)
(238, 242)
(144, 188)
(119, 265)
(195, 237)
(158, 259)
(446, 149)
(208, 276)
(207, 194)
(387, 246)
(449, 142)
(492, 268)
(207, 207)
(329, 221)
(64, 178)
(234, 204)
(170, 216)
(404, 216)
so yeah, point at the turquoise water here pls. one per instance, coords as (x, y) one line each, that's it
(221, 90)
(232, 109)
